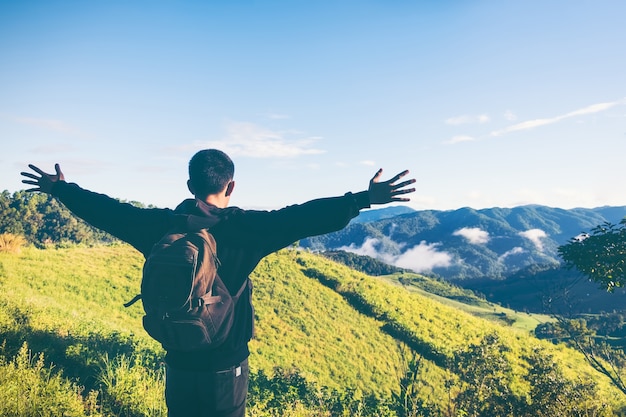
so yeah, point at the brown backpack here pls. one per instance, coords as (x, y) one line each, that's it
(187, 305)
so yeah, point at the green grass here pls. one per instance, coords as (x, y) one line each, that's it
(466, 301)
(30, 387)
(335, 327)
(304, 325)
(441, 329)
(67, 305)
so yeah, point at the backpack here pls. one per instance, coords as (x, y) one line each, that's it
(187, 305)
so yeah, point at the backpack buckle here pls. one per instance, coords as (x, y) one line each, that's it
(196, 303)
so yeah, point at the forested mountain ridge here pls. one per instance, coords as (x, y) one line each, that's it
(467, 243)
(42, 220)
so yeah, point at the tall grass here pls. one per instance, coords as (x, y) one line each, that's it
(11, 243)
(31, 388)
(131, 386)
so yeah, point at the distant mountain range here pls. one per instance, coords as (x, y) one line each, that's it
(367, 216)
(507, 254)
(465, 243)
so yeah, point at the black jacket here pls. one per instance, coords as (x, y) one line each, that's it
(243, 238)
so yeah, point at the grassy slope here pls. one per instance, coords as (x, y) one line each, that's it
(446, 328)
(63, 290)
(68, 303)
(473, 305)
(305, 325)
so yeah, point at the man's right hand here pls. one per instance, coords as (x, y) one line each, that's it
(42, 182)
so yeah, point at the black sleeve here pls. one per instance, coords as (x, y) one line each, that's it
(139, 227)
(274, 230)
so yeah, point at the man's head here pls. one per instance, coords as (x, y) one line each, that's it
(211, 174)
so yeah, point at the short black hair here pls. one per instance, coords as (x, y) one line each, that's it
(210, 171)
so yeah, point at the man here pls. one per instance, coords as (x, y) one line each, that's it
(215, 383)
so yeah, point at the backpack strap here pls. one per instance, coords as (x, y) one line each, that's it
(243, 287)
(210, 299)
(205, 300)
(133, 301)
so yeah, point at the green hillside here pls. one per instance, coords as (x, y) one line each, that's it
(333, 327)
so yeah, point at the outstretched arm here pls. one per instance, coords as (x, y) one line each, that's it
(383, 192)
(273, 230)
(44, 182)
(137, 226)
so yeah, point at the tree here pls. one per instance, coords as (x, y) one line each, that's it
(551, 394)
(41, 219)
(603, 358)
(486, 376)
(600, 255)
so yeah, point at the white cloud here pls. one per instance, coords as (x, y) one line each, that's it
(516, 250)
(251, 140)
(277, 116)
(466, 119)
(367, 249)
(52, 148)
(474, 235)
(459, 139)
(594, 108)
(420, 258)
(459, 120)
(52, 125)
(483, 118)
(510, 116)
(531, 124)
(368, 163)
(535, 236)
(48, 124)
(423, 257)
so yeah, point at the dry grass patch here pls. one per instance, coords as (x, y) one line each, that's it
(11, 243)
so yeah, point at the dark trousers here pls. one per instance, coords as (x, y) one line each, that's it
(207, 393)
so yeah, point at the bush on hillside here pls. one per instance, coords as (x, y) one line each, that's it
(11, 243)
(29, 388)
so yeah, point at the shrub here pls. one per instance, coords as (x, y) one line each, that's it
(29, 388)
(131, 387)
(11, 243)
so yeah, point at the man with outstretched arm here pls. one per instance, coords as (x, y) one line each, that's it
(215, 383)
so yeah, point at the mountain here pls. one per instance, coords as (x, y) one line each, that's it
(549, 290)
(467, 243)
(367, 216)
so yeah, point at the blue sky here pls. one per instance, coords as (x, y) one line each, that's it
(487, 103)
